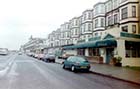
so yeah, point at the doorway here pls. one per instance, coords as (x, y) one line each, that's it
(109, 54)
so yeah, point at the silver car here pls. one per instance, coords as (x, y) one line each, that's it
(49, 58)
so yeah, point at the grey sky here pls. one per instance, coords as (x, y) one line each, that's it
(21, 18)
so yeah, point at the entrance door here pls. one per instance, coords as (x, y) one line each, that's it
(109, 54)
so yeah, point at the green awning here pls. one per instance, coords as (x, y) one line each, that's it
(94, 44)
(82, 45)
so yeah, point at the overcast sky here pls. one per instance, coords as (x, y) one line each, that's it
(19, 19)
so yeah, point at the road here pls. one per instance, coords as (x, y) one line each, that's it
(29, 73)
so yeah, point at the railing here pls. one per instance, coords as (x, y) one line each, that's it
(94, 38)
(80, 41)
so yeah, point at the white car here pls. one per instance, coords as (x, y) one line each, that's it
(3, 51)
(19, 53)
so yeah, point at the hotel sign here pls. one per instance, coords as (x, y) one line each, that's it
(100, 44)
(106, 43)
(130, 35)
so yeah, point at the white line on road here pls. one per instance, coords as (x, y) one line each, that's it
(51, 79)
(7, 66)
(12, 75)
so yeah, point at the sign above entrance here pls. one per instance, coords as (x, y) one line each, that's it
(130, 35)
(94, 44)
(99, 44)
(106, 43)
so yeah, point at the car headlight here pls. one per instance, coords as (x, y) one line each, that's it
(77, 63)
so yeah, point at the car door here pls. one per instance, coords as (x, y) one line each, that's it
(68, 62)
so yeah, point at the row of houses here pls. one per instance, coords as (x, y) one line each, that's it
(34, 45)
(109, 29)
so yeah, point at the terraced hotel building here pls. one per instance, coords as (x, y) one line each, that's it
(109, 29)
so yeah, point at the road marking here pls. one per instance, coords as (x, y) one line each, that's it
(18, 61)
(7, 66)
(51, 79)
(12, 75)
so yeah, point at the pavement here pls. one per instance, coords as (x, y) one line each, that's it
(120, 73)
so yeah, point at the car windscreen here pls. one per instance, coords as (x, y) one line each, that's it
(80, 59)
(50, 55)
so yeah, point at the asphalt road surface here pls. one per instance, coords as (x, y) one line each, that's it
(29, 73)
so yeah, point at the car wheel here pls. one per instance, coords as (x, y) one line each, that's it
(46, 60)
(87, 70)
(73, 68)
(64, 67)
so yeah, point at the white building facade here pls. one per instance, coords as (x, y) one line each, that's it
(74, 30)
(35, 45)
(109, 30)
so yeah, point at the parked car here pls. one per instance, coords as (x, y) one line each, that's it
(36, 55)
(76, 63)
(3, 51)
(31, 54)
(49, 58)
(65, 56)
(19, 53)
(40, 56)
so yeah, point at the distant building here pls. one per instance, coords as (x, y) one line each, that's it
(35, 45)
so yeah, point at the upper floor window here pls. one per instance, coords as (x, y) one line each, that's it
(68, 35)
(81, 29)
(72, 23)
(125, 28)
(133, 11)
(110, 20)
(109, 6)
(71, 32)
(89, 15)
(76, 22)
(124, 13)
(102, 22)
(102, 9)
(96, 11)
(89, 27)
(85, 16)
(84, 27)
(116, 18)
(134, 28)
(68, 26)
(115, 3)
(76, 31)
(96, 23)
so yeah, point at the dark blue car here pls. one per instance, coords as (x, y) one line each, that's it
(76, 63)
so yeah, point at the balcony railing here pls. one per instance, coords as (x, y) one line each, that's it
(81, 41)
(94, 38)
